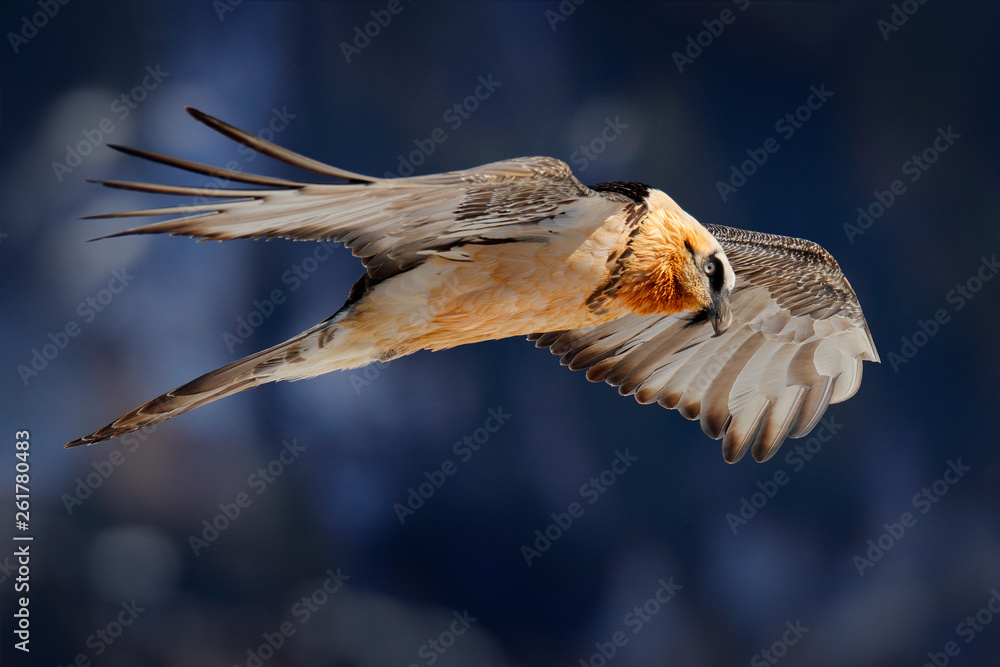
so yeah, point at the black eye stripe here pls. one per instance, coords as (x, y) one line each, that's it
(718, 278)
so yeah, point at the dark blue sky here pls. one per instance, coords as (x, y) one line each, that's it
(279, 510)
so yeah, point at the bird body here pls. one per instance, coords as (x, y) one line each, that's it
(616, 278)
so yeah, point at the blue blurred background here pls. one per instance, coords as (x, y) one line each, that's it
(726, 564)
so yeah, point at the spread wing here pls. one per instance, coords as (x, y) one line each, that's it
(796, 345)
(391, 224)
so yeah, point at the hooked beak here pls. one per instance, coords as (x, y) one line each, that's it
(719, 313)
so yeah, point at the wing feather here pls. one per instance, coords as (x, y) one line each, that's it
(796, 345)
(783, 413)
(391, 224)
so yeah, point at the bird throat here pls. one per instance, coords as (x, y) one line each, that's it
(659, 277)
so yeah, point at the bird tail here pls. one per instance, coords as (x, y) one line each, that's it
(324, 348)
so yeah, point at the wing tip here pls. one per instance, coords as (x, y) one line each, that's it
(85, 440)
(736, 444)
(197, 114)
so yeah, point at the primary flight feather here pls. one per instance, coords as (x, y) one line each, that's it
(753, 334)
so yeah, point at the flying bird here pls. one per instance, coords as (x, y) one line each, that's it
(753, 334)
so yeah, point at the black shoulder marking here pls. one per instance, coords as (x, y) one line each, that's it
(360, 288)
(637, 192)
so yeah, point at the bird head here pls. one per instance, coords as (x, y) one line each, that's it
(678, 266)
(703, 272)
(710, 279)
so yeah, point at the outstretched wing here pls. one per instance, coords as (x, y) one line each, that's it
(391, 224)
(796, 345)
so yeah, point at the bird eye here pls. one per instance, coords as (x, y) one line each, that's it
(709, 267)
